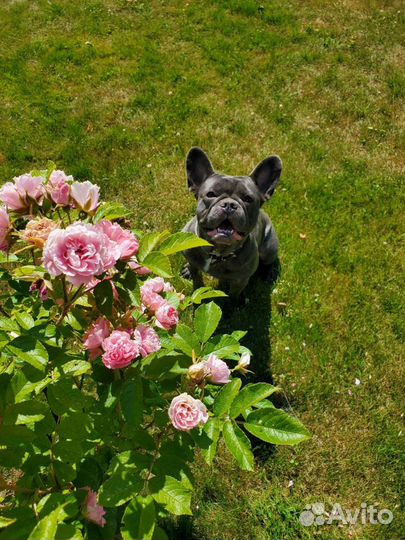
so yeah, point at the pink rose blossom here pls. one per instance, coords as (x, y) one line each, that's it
(147, 339)
(25, 190)
(218, 371)
(85, 195)
(37, 231)
(166, 316)
(80, 252)
(95, 336)
(186, 413)
(156, 285)
(138, 268)
(58, 187)
(198, 372)
(4, 229)
(92, 510)
(126, 241)
(120, 350)
(151, 300)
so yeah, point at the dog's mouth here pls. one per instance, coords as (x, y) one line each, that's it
(226, 231)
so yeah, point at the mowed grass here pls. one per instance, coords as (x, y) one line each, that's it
(117, 91)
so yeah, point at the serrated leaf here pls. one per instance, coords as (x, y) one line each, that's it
(206, 320)
(239, 445)
(249, 396)
(103, 294)
(158, 263)
(212, 429)
(139, 519)
(224, 347)
(181, 241)
(24, 320)
(149, 242)
(120, 488)
(131, 400)
(9, 325)
(29, 272)
(276, 426)
(172, 495)
(30, 350)
(203, 293)
(111, 211)
(225, 397)
(46, 527)
(186, 340)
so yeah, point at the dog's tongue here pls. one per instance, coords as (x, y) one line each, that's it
(226, 228)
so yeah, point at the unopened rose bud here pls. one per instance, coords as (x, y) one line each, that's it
(198, 372)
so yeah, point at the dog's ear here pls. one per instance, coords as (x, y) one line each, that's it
(198, 168)
(266, 176)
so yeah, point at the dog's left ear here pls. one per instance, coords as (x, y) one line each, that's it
(266, 176)
(198, 168)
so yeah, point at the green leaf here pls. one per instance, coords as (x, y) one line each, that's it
(239, 445)
(181, 241)
(212, 429)
(139, 519)
(205, 292)
(103, 294)
(148, 243)
(186, 340)
(120, 487)
(249, 396)
(46, 527)
(30, 350)
(158, 263)
(131, 400)
(5, 522)
(24, 320)
(67, 531)
(29, 272)
(8, 325)
(75, 367)
(225, 397)
(206, 320)
(111, 211)
(276, 427)
(224, 347)
(7, 257)
(173, 495)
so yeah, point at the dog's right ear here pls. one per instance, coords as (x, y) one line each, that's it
(198, 168)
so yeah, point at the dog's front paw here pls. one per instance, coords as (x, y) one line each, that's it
(270, 273)
(186, 272)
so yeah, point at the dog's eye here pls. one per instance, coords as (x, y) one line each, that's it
(211, 194)
(247, 199)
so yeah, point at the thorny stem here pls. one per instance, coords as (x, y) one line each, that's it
(155, 457)
(68, 303)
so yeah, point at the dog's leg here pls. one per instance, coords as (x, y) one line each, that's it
(192, 273)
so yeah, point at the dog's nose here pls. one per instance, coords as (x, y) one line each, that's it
(229, 206)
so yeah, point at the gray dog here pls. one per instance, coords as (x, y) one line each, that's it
(230, 218)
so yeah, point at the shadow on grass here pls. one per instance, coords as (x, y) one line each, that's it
(254, 316)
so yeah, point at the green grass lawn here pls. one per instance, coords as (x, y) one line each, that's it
(117, 91)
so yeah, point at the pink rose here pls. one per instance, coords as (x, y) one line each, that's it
(85, 195)
(198, 372)
(126, 241)
(156, 285)
(120, 350)
(151, 300)
(186, 413)
(218, 371)
(80, 252)
(166, 316)
(95, 336)
(138, 268)
(93, 511)
(147, 339)
(4, 229)
(25, 190)
(37, 231)
(58, 187)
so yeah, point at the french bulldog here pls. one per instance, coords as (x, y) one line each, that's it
(229, 216)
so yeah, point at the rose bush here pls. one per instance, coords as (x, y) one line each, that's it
(110, 379)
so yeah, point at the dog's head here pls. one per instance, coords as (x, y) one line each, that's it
(228, 206)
